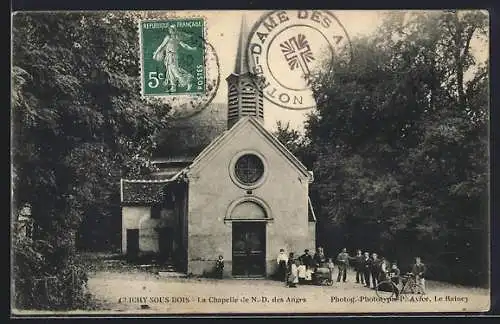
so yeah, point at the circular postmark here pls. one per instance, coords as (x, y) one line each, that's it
(286, 48)
(179, 68)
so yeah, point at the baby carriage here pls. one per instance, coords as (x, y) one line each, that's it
(321, 276)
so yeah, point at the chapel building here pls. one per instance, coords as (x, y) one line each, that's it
(245, 196)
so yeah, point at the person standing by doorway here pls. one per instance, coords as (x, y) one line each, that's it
(219, 267)
(343, 263)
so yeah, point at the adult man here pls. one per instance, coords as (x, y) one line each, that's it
(367, 265)
(394, 274)
(343, 263)
(307, 263)
(358, 266)
(418, 270)
(306, 259)
(319, 258)
(375, 269)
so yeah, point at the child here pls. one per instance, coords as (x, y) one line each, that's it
(301, 270)
(294, 274)
(282, 265)
(331, 267)
(219, 267)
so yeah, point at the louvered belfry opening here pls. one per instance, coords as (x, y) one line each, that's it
(245, 97)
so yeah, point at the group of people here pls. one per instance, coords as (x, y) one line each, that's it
(370, 269)
(299, 270)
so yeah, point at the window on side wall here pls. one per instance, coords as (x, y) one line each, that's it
(156, 212)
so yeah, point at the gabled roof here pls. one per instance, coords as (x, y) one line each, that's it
(145, 191)
(173, 159)
(227, 135)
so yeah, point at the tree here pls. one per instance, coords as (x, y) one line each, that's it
(294, 141)
(400, 134)
(78, 125)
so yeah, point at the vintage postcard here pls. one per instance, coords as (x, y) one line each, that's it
(250, 162)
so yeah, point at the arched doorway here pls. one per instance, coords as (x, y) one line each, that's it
(249, 239)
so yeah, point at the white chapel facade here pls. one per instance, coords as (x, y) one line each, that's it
(245, 196)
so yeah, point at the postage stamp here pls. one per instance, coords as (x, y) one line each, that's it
(172, 57)
(179, 67)
(342, 166)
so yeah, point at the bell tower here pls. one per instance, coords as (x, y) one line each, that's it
(245, 97)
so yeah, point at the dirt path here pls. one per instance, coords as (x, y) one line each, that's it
(143, 292)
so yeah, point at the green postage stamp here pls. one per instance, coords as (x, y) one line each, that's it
(172, 56)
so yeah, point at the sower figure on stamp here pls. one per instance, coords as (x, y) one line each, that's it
(343, 263)
(366, 265)
(167, 53)
(282, 265)
(418, 270)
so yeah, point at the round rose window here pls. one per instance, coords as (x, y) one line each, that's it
(249, 169)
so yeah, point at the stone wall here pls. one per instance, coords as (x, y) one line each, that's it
(131, 216)
(139, 217)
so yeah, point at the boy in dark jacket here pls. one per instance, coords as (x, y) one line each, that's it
(358, 266)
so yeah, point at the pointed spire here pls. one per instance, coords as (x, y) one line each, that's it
(241, 66)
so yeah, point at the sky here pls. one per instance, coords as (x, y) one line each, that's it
(223, 34)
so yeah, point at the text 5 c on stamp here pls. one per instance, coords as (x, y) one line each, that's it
(172, 56)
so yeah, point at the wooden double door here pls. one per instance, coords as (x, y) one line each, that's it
(249, 249)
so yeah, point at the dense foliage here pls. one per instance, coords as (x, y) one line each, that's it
(399, 145)
(78, 125)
